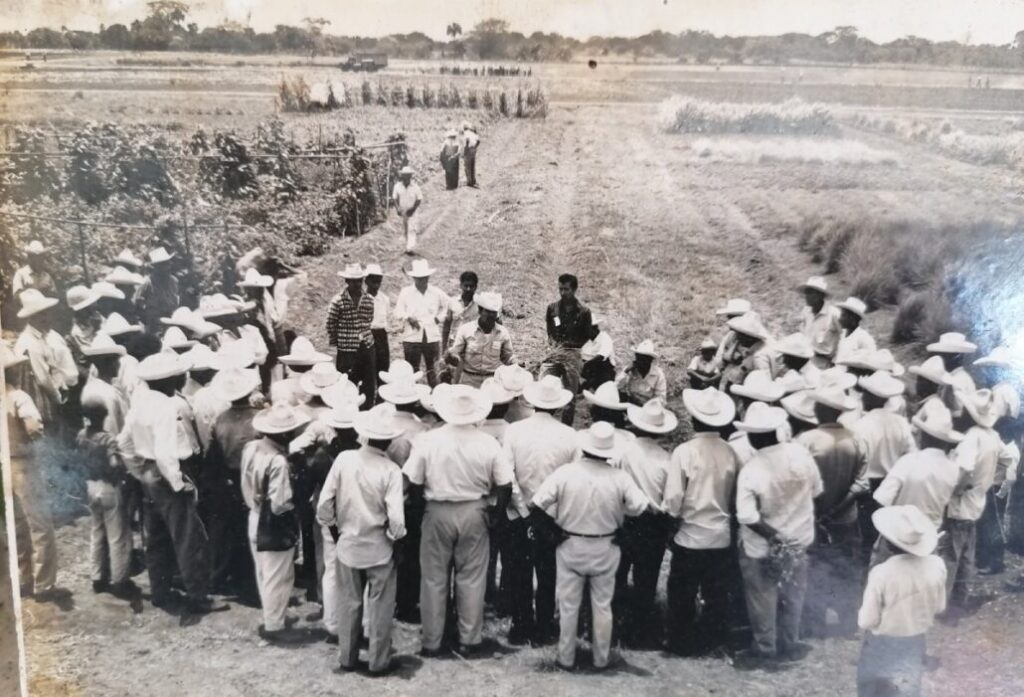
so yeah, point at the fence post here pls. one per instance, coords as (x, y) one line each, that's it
(81, 249)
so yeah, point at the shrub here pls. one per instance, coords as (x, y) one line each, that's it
(682, 114)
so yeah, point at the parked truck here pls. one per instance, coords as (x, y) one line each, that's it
(365, 62)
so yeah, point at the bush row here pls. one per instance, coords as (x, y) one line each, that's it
(683, 114)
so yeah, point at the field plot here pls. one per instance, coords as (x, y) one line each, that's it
(660, 234)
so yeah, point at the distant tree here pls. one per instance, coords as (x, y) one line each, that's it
(490, 38)
(315, 27)
(116, 37)
(46, 38)
(453, 30)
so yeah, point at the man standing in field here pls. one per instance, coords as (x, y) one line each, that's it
(349, 324)
(450, 151)
(819, 321)
(470, 142)
(569, 327)
(407, 197)
(422, 308)
(481, 347)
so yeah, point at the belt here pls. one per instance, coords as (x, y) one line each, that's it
(467, 371)
(580, 534)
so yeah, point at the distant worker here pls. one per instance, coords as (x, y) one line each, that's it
(407, 197)
(450, 151)
(34, 274)
(470, 142)
(158, 296)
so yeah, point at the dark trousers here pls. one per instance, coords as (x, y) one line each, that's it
(991, 543)
(957, 549)
(361, 368)
(643, 548)
(470, 162)
(866, 506)
(407, 555)
(382, 349)
(533, 611)
(890, 666)
(451, 174)
(774, 606)
(498, 588)
(226, 518)
(429, 351)
(706, 571)
(176, 539)
(834, 578)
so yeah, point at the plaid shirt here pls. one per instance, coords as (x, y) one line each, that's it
(348, 322)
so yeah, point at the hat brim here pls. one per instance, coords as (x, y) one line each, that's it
(421, 274)
(480, 411)
(723, 418)
(930, 376)
(130, 329)
(993, 362)
(35, 310)
(806, 418)
(387, 393)
(309, 387)
(758, 428)
(387, 378)
(950, 436)
(940, 347)
(239, 393)
(742, 391)
(310, 360)
(162, 260)
(88, 302)
(352, 277)
(594, 399)
(847, 405)
(587, 446)
(886, 522)
(854, 310)
(376, 435)
(162, 375)
(115, 350)
(635, 415)
(808, 286)
(532, 396)
(259, 423)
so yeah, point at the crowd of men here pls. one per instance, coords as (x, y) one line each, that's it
(815, 495)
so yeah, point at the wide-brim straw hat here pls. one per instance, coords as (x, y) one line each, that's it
(1000, 357)
(645, 348)
(80, 297)
(601, 440)
(220, 305)
(861, 359)
(796, 344)
(374, 270)
(161, 366)
(793, 381)
(799, 405)
(400, 371)
(708, 343)
(907, 528)
(420, 268)
(428, 400)
(201, 357)
(981, 405)
(235, 383)
(854, 305)
(710, 406)
(103, 345)
(835, 377)
(759, 386)
(302, 352)
(882, 384)
(495, 392)
(750, 325)
(280, 418)
(342, 392)
(174, 338)
(652, 417)
(761, 418)
(462, 405)
(547, 393)
(115, 325)
(406, 170)
(33, 302)
(160, 256)
(1007, 399)
(935, 420)
(835, 398)
(319, 378)
(933, 370)
(606, 396)
(121, 276)
(403, 392)
(734, 308)
(106, 289)
(35, 248)
(884, 360)
(235, 354)
(254, 279)
(127, 258)
(181, 317)
(489, 301)
(952, 342)
(513, 378)
(343, 415)
(352, 272)
(815, 283)
(379, 423)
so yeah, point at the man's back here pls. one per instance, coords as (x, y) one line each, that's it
(841, 463)
(887, 437)
(536, 447)
(588, 497)
(457, 463)
(924, 478)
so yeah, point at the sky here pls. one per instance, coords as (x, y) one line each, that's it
(974, 21)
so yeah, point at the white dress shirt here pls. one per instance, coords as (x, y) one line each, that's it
(381, 310)
(857, 340)
(648, 464)
(822, 328)
(589, 497)
(250, 334)
(50, 358)
(980, 454)
(923, 478)
(207, 405)
(886, 437)
(406, 196)
(457, 463)
(535, 447)
(429, 309)
(902, 596)
(600, 345)
(700, 490)
(153, 431)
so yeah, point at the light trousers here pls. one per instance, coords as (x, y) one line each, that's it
(275, 577)
(775, 607)
(329, 580)
(454, 538)
(33, 528)
(583, 561)
(410, 226)
(110, 541)
(378, 585)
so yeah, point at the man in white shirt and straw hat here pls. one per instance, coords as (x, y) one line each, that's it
(819, 320)
(481, 346)
(749, 352)
(34, 274)
(49, 357)
(589, 500)
(643, 380)
(266, 481)
(775, 494)
(455, 468)
(901, 600)
(515, 379)
(300, 359)
(407, 197)
(361, 505)
(699, 493)
(854, 336)
(535, 446)
(422, 309)
(642, 540)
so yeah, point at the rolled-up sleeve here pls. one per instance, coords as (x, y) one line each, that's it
(414, 467)
(326, 512)
(747, 512)
(394, 505)
(633, 498)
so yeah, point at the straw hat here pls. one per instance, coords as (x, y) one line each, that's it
(103, 345)
(759, 386)
(342, 415)
(907, 528)
(319, 377)
(884, 360)
(302, 352)
(235, 354)
(489, 301)
(80, 297)
(9, 358)
(750, 325)
(462, 405)
(406, 170)
(201, 357)
(403, 392)
(1007, 398)
(106, 289)
(882, 384)
(933, 370)
(344, 391)
(645, 348)
(159, 256)
(734, 308)
(35, 248)
(937, 421)
(652, 417)
(280, 418)
(547, 393)
(235, 383)
(175, 339)
(815, 283)
(952, 342)
(161, 366)
(708, 344)
(859, 359)
(33, 302)
(352, 272)
(115, 325)
(121, 276)
(800, 406)
(400, 371)
(981, 405)
(793, 381)
(796, 344)
(126, 258)
(513, 378)
(601, 440)
(204, 328)
(379, 423)
(181, 317)
(854, 305)
(606, 395)
(761, 418)
(710, 406)
(254, 279)
(374, 270)
(427, 401)
(452, 133)
(835, 377)
(1000, 357)
(220, 305)
(833, 397)
(421, 268)
(495, 392)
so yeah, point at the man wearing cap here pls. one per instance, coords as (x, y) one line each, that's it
(643, 538)
(834, 574)
(482, 346)
(348, 330)
(381, 313)
(886, 436)
(455, 467)
(361, 504)
(450, 152)
(775, 494)
(643, 381)
(470, 143)
(462, 309)
(589, 500)
(407, 197)
(819, 320)
(598, 356)
(535, 447)
(265, 481)
(568, 327)
(854, 336)
(422, 309)
(159, 294)
(34, 274)
(49, 356)
(902, 597)
(155, 444)
(699, 493)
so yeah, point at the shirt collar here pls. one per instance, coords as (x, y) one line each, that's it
(276, 447)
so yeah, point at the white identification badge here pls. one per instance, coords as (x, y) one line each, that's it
(558, 321)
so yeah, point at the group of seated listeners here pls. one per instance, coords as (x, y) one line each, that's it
(821, 489)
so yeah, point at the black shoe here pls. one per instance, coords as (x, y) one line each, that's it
(315, 616)
(518, 638)
(331, 639)
(101, 586)
(750, 659)
(125, 590)
(432, 653)
(795, 652)
(387, 670)
(204, 606)
(471, 650)
(278, 636)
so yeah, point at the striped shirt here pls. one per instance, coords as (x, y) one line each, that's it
(348, 321)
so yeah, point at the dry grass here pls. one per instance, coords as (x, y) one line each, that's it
(682, 114)
(767, 150)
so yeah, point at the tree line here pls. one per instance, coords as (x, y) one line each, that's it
(167, 28)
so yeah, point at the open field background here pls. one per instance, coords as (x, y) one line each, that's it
(661, 228)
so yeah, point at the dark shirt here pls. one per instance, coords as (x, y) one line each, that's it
(231, 432)
(568, 325)
(348, 322)
(98, 453)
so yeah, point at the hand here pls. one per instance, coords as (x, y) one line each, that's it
(187, 487)
(451, 359)
(1004, 490)
(414, 323)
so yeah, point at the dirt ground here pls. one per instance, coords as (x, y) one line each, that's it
(10, 675)
(659, 239)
